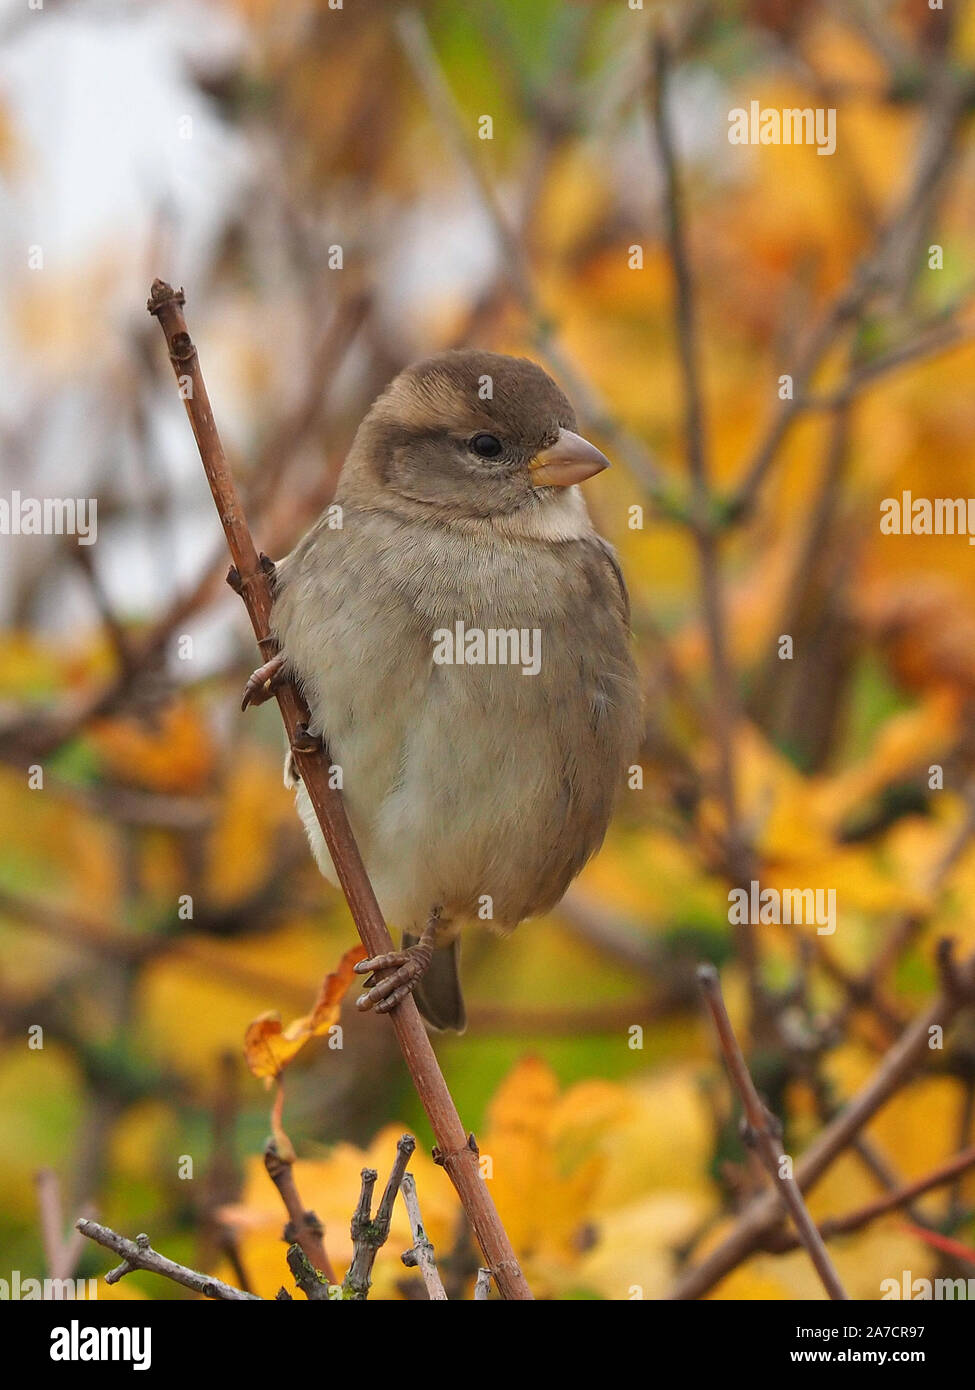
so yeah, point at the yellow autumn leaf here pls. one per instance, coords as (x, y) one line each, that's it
(330, 1187)
(268, 1048)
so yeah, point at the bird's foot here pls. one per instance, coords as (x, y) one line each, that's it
(238, 584)
(270, 569)
(404, 969)
(263, 682)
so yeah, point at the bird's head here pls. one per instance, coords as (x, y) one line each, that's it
(471, 434)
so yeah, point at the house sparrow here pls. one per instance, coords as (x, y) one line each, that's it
(462, 643)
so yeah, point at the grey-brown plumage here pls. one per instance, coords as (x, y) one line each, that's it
(475, 791)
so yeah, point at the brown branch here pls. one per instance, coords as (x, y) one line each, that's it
(133, 805)
(966, 1113)
(304, 1227)
(421, 1255)
(943, 338)
(866, 989)
(311, 1281)
(762, 1215)
(36, 734)
(878, 273)
(761, 1125)
(138, 1254)
(725, 704)
(806, 583)
(101, 938)
(369, 1233)
(725, 700)
(694, 424)
(783, 1241)
(876, 1162)
(457, 1156)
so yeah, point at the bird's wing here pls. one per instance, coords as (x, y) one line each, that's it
(607, 556)
(316, 557)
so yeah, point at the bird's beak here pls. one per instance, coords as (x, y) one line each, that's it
(571, 459)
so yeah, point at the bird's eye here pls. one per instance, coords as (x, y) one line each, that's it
(486, 445)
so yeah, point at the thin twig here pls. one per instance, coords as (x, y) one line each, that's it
(311, 1281)
(805, 583)
(890, 1201)
(138, 1254)
(421, 1255)
(967, 1111)
(414, 39)
(760, 1133)
(694, 423)
(725, 703)
(944, 338)
(763, 1213)
(369, 1233)
(456, 1154)
(303, 1226)
(871, 277)
(34, 735)
(695, 436)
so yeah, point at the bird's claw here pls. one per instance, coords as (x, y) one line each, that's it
(263, 682)
(399, 970)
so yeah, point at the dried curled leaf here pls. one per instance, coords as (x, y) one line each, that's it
(268, 1048)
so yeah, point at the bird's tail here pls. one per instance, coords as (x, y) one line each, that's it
(437, 993)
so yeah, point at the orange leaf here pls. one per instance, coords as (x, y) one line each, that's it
(268, 1048)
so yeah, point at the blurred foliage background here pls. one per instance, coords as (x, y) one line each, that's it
(317, 180)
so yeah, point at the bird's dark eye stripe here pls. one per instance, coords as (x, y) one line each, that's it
(486, 445)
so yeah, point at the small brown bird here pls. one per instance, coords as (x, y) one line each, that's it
(461, 636)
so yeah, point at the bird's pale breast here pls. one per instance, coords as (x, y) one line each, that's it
(479, 787)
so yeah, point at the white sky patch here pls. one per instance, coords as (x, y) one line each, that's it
(97, 95)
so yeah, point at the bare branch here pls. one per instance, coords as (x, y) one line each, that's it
(303, 1226)
(138, 1254)
(312, 1282)
(421, 1255)
(370, 1233)
(312, 763)
(760, 1132)
(900, 1197)
(882, 271)
(694, 424)
(725, 711)
(415, 41)
(763, 1213)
